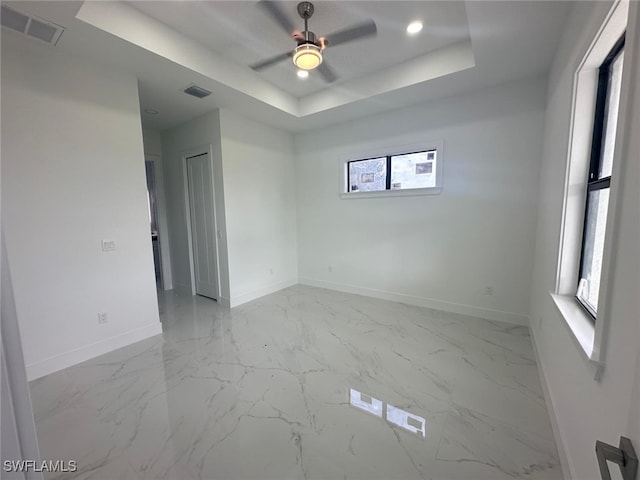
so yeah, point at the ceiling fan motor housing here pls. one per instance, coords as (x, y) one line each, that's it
(307, 37)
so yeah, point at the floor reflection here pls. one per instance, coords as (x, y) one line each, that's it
(406, 420)
(396, 416)
(365, 402)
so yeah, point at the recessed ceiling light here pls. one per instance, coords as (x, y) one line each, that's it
(414, 27)
(303, 73)
(151, 111)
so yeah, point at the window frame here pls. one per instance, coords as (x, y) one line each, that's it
(437, 146)
(594, 182)
(589, 337)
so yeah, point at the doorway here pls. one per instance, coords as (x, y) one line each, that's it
(152, 196)
(204, 259)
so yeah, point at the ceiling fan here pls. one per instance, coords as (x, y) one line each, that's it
(308, 55)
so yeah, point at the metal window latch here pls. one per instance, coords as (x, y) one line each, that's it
(624, 455)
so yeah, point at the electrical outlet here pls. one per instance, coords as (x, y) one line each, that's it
(271, 271)
(330, 269)
(488, 290)
(102, 318)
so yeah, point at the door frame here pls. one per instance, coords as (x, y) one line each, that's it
(193, 152)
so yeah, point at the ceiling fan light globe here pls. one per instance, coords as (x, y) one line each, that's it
(307, 56)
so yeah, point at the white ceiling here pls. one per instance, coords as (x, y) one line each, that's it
(169, 45)
(243, 34)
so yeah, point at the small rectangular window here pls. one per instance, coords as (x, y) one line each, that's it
(402, 171)
(413, 170)
(599, 178)
(368, 175)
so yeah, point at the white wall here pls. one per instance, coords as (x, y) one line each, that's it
(253, 168)
(152, 141)
(586, 410)
(438, 251)
(259, 185)
(203, 134)
(72, 175)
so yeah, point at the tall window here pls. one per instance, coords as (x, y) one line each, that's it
(599, 178)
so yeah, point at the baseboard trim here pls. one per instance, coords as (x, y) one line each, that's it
(496, 315)
(237, 300)
(565, 465)
(87, 352)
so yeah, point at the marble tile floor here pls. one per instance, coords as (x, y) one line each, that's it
(305, 383)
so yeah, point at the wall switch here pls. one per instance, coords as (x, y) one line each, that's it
(330, 269)
(102, 318)
(108, 245)
(271, 271)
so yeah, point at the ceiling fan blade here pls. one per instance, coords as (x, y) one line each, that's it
(326, 72)
(355, 32)
(261, 65)
(276, 12)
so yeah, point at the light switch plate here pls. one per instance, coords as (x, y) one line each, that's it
(108, 245)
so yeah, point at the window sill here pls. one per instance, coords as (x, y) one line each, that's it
(393, 193)
(579, 322)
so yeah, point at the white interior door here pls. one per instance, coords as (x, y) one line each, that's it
(203, 236)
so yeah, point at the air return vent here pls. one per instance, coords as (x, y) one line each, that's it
(197, 91)
(31, 26)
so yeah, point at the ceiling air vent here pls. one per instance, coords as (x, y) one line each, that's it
(31, 26)
(197, 91)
